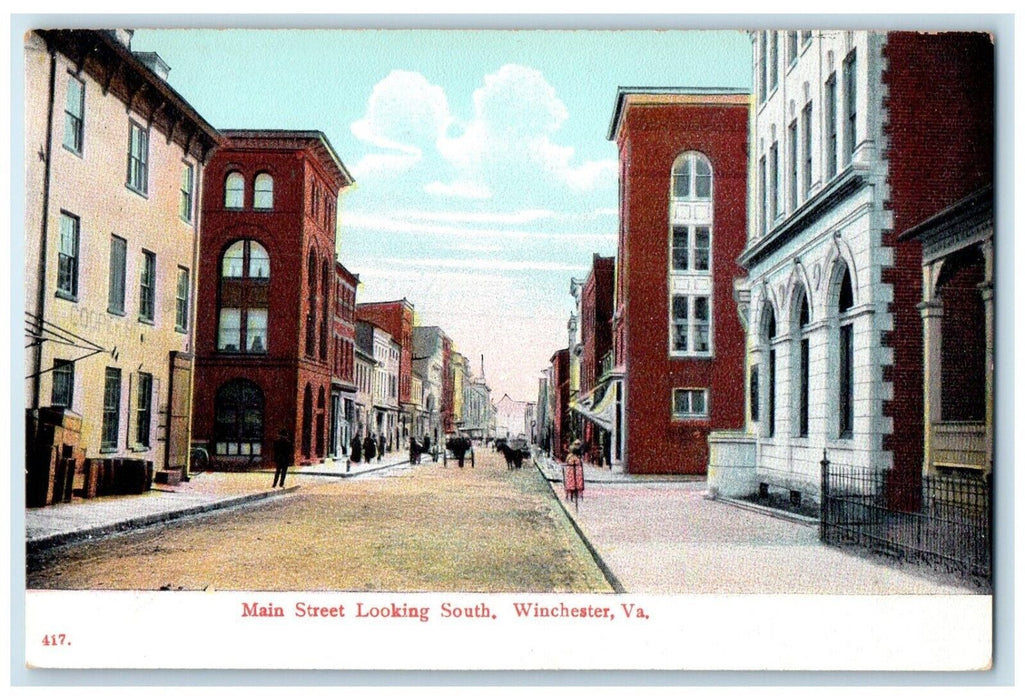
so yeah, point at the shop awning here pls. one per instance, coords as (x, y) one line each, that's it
(603, 412)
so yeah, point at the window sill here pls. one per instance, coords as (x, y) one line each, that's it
(142, 193)
(116, 312)
(108, 450)
(187, 222)
(66, 296)
(179, 329)
(691, 356)
(72, 151)
(147, 321)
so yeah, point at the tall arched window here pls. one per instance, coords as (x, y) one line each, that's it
(325, 306)
(238, 419)
(845, 397)
(311, 300)
(234, 191)
(768, 332)
(692, 177)
(799, 326)
(321, 421)
(307, 433)
(263, 192)
(690, 255)
(244, 298)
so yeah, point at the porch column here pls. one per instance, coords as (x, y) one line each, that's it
(932, 375)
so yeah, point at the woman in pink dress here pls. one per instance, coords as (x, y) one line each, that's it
(573, 474)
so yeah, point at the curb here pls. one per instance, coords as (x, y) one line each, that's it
(349, 475)
(48, 542)
(610, 577)
(765, 510)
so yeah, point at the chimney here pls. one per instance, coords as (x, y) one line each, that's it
(152, 60)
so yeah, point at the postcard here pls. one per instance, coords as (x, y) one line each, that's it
(408, 349)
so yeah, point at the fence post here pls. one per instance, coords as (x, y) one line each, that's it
(824, 495)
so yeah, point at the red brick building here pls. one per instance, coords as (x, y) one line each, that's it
(678, 339)
(396, 318)
(266, 296)
(561, 432)
(596, 396)
(343, 363)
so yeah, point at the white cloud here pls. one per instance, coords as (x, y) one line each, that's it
(489, 264)
(514, 217)
(387, 224)
(404, 112)
(510, 139)
(462, 190)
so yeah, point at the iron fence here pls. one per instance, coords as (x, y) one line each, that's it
(943, 520)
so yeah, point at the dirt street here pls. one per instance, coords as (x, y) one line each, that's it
(424, 528)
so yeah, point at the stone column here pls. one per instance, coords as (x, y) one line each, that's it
(932, 374)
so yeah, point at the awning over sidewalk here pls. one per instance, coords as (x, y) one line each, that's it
(601, 413)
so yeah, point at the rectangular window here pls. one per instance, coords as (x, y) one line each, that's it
(774, 195)
(181, 301)
(791, 47)
(690, 403)
(116, 276)
(691, 324)
(753, 394)
(851, 105)
(701, 324)
(803, 388)
(702, 248)
(763, 64)
(111, 408)
(831, 126)
(256, 330)
(74, 115)
(681, 324)
(67, 256)
(792, 190)
(846, 407)
(805, 37)
(772, 393)
(138, 158)
(187, 188)
(147, 286)
(773, 59)
(806, 148)
(63, 391)
(229, 330)
(143, 409)
(764, 199)
(681, 248)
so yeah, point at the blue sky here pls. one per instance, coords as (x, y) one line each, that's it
(485, 179)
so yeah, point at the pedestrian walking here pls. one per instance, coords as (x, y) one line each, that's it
(573, 475)
(356, 449)
(427, 448)
(380, 446)
(414, 450)
(283, 453)
(369, 448)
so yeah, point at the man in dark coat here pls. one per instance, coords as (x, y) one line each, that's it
(369, 448)
(283, 453)
(380, 446)
(355, 450)
(427, 447)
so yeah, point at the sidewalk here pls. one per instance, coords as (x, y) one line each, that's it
(205, 491)
(668, 537)
(552, 470)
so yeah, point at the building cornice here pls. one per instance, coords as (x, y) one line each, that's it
(662, 96)
(850, 181)
(120, 72)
